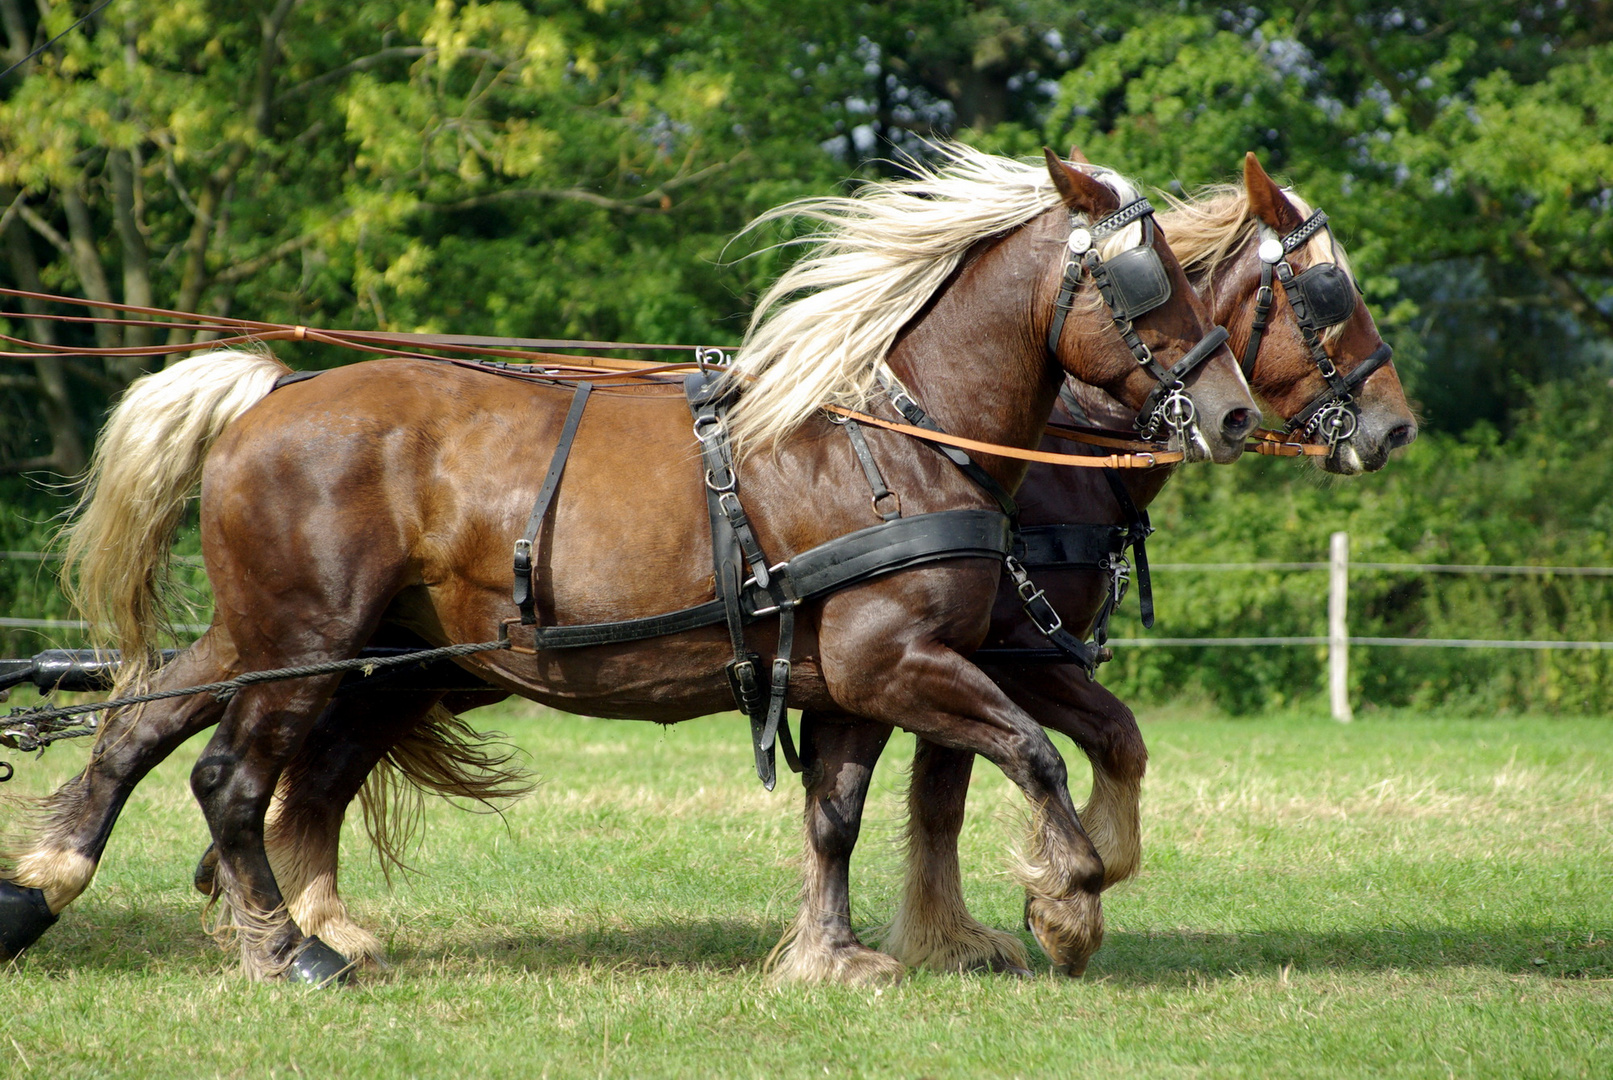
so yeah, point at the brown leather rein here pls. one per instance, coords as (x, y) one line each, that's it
(609, 370)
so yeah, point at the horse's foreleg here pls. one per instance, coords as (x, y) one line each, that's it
(57, 860)
(932, 928)
(1065, 700)
(939, 695)
(820, 945)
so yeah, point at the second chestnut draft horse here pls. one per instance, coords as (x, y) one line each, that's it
(385, 495)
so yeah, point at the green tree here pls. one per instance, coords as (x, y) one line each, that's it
(1463, 148)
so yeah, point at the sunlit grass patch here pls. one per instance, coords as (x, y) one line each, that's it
(1405, 897)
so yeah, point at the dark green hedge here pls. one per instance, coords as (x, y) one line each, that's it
(1544, 495)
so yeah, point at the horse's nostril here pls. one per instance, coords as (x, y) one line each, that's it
(1239, 422)
(1402, 435)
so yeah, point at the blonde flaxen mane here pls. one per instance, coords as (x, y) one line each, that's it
(821, 332)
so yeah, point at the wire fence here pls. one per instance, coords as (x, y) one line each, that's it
(1338, 638)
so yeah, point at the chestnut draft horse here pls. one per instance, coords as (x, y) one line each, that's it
(386, 494)
(1216, 236)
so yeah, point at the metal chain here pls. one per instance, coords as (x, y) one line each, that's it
(34, 729)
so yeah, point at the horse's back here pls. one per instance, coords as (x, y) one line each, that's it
(426, 473)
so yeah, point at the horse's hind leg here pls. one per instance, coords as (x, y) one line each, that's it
(932, 928)
(234, 781)
(348, 748)
(55, 862)
(303, 828)
(820, 946)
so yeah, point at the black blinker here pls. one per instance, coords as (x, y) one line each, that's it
(1138, 282)
(1328, 292)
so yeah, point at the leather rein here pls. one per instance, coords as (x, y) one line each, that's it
(536, 365)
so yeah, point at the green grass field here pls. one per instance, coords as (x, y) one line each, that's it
(1408, 896)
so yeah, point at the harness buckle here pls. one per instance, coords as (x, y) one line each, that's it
(704, 421)
(773, 609)
(1027, 590)
(721, 489)
(1043, 615)
(1119, 569)
(1264, 297)
(744, 686)
(900, 395)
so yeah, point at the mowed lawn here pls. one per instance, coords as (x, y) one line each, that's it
(1407, 896)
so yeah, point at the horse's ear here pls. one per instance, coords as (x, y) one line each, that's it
(1266, 200)
(1077, 157)
(1080, 192)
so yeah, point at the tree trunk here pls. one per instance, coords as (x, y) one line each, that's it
(66, 444)
(87, 263)
(136, 256)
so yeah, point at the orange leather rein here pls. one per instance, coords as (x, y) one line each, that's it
(565, 366)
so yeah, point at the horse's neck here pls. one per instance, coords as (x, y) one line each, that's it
(972, 359)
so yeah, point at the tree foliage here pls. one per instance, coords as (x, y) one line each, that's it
(567, 169)
(539, 168)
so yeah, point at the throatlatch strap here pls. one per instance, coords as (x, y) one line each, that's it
(524, 599)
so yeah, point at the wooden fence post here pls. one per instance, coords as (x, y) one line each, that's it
(1338, 630)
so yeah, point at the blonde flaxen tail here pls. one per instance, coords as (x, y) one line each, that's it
(146, 466)
(442, 755)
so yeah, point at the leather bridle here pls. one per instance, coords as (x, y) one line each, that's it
(1132, 283)
(1321, 296)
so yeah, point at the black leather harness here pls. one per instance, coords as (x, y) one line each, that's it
(1131, 283)
(748, 587)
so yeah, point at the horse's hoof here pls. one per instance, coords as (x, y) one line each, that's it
(24, 916)
(849, 965)
(206, 876)
(317, 964)
(1069, 931)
